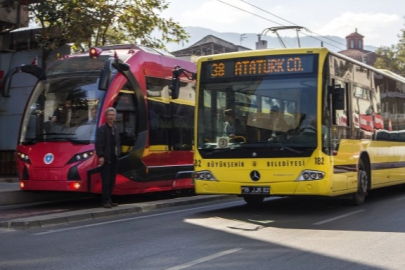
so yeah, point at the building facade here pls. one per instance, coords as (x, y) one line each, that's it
(17, 48)
(355, 49)
(206, 46)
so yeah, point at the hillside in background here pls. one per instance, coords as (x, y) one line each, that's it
(333, 43)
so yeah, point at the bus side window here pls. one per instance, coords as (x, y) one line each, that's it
(341, 117)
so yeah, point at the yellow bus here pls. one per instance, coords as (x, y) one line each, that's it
(305, 122)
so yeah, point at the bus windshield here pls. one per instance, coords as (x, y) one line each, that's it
(63, 109)
(269, 114)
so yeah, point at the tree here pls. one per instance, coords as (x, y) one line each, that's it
(392, 58)
(389, 58)
(86, 23)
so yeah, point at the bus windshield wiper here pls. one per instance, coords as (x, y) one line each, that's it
(46, 134)
(218, 150)
(269, 143)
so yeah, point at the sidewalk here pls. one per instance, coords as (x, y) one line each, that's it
(95, 213)
(9, 183)
(10, 194)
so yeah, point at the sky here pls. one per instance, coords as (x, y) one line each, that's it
(378, 21)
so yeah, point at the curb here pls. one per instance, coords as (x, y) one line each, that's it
(9, 179)
(14, 197)
(95, 213)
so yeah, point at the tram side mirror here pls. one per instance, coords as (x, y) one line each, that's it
(175, 87)
(104, 79)
(338, 98)
(105, 76)
(5, 87)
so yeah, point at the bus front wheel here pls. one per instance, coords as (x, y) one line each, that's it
(253, 200)
(359, 197)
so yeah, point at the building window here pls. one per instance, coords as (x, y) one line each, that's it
(360, 44)
(352, 44)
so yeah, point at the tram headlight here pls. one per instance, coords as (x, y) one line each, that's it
(81, 156)
(204, 175)
(24, 157)
(309, 175)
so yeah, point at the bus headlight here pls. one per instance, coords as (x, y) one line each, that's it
(204, 175)
(309, 175)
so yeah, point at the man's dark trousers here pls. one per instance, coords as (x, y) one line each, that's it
(108, 175)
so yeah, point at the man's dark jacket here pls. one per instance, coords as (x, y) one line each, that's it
(103, 142)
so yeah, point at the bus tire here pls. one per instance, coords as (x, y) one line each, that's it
(253, 200)
(363, 181)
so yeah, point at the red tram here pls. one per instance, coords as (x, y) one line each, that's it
(55, 149)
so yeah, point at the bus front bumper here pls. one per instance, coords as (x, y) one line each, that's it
(302, 188)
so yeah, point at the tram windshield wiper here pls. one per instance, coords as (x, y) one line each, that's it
(72, 140)
(47, 134)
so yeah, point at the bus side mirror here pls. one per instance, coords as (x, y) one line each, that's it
(338, 98)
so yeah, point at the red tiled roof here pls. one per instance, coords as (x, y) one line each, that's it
(355, 34)
(358, 55)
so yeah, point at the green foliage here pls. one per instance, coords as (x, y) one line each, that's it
(8, 4)
(87, 23)
(392, 58)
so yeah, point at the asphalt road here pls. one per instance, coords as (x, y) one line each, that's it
(284, 233)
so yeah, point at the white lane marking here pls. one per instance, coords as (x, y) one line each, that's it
(400, 199)
(133, 218)
(338, 217)
(204, 259)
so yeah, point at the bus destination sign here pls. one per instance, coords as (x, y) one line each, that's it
(259, 66)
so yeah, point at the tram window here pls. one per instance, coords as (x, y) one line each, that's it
(183, 123)
(156, 87)
(126, 120)
(159, 123)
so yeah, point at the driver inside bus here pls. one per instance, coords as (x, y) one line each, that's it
(309, 123)
(309, 126)
(277, 124)
(232, 126)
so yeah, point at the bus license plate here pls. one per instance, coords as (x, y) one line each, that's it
(256, 190)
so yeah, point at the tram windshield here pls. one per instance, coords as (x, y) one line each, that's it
(63, 109)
